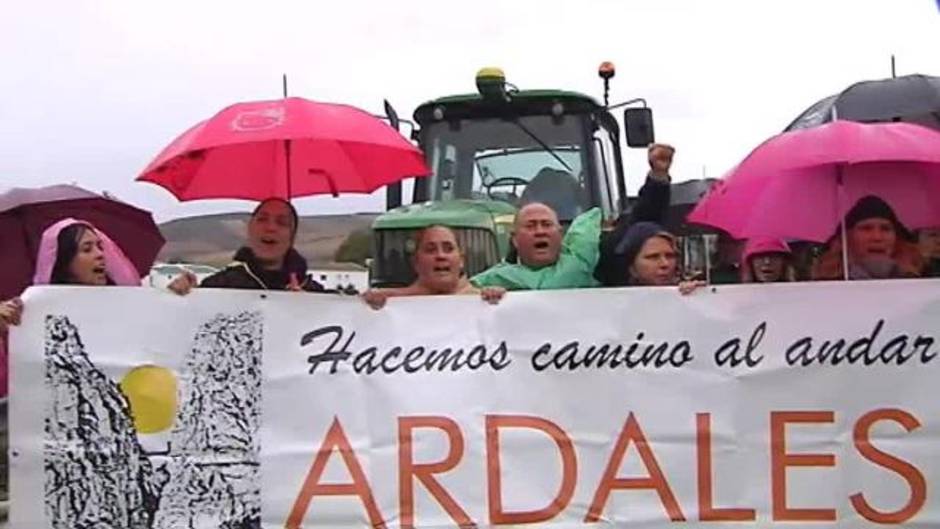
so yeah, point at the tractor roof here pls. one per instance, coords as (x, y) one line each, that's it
(522, 102)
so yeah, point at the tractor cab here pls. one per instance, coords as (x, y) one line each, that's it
(495, 150)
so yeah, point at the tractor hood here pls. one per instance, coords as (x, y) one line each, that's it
(482, 214)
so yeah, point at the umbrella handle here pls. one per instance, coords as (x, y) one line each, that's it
(287, 164)
(840, 201)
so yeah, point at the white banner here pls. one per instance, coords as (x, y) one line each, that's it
(749, 406)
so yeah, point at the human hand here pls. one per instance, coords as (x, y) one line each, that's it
(660, 159)
(374, 298)
(184, 283)
(492, 295)
(688, 287)
(293, 285)
(11, 313)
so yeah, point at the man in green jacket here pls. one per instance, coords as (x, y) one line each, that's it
(546, 260)
(549, 261)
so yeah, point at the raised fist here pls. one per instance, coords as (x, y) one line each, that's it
(660, 158)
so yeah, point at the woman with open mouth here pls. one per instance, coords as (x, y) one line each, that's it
(71, 252)
(879, 246)
(438, 263)
(767, 260)
(267, 262)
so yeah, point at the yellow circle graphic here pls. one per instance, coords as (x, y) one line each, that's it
(151, 391)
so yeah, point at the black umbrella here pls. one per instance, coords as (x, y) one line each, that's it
(912, 98)
(682, 198)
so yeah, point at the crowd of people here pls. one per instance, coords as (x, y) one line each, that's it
(638, 251)
(879, 246)
(635, 251)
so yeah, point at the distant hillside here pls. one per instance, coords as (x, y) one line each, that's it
(213, 239)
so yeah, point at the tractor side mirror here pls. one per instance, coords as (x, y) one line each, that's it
(392, 115)
(638, 123)
(393, 190)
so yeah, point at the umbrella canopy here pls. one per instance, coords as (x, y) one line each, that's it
(284, 148)
(683, 196)
(26, 213)
(800, 184)
(910, 98)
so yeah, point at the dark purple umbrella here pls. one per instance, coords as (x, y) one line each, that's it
(25, 213)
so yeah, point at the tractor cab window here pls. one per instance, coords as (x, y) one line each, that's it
(533, 159)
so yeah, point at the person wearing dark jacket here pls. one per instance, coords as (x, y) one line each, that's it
(879, 246)
(643, 254)
(247, 272)
(648, 214)
(269, 260)
(928, 241)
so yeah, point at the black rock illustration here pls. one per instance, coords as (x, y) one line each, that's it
(99, 477)
(213, 462)
(96, 474)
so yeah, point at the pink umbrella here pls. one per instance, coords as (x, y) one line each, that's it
(800, 184)
(284, 148)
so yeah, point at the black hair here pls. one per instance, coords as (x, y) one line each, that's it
(66, 250)
(290, 207)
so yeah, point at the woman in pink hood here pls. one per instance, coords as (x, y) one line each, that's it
(71, 252)
(766, 260)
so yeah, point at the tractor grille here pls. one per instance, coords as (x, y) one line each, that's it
(392, 252)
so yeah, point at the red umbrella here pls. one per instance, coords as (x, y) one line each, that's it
(284, 148)
(26, 213)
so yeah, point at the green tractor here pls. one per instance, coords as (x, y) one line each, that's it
(493, 151)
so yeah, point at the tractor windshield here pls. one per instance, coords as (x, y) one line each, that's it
(531, 159)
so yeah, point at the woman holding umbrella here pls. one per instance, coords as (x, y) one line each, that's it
(802, 185)
(286, 148)
(878, 246)
(267, 262)
(71, 252)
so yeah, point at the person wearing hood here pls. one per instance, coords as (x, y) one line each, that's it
(879, 246)
(928, 242)
(551, 258)
(767, 260)
(269, 260)
(438, 262)
(71, 252)
(644, 254)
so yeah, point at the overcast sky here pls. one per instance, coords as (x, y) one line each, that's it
(91, 91)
